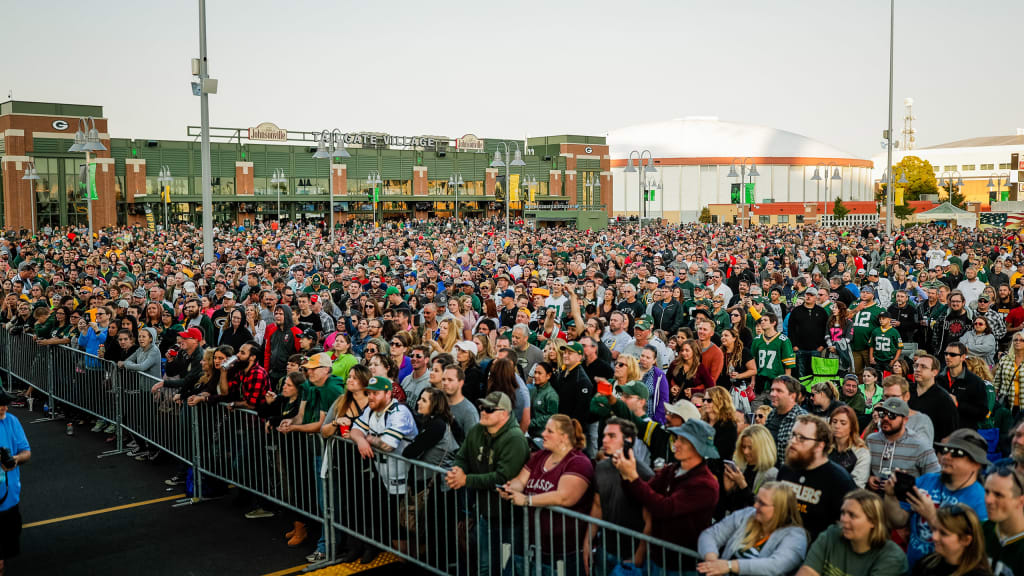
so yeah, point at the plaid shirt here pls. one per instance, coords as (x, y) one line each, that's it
(1008, 377)
(253, 385)
(781, 427)
(995, 321)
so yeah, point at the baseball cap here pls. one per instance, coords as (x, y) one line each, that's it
(497, 400)
(192, 333)
(634, 388)
(392, 290)
(684, 409)
(190, 287)
(309, 333)
(508, 294)
(872, 272)
(379, 383)
(812, 291)
(468, 346)
(574, 346)
(229, 295)
(861, 272)
(643, 323)
(139, 293)
(652, 279)
(896, 406)
(321, 360)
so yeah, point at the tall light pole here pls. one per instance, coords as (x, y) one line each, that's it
(31, 174)
(835, 176)
(335, 148)
(640, 170)
(374, 179)
(277, 179)
(87, 140)
(165, 180)
(497, 163)
(456, 181)
(888, 133)
(1002, 179)
(743, 173)
(203, 89)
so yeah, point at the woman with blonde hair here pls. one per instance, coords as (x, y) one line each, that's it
(718, 411)
(858, 545)
(753, 466)
(553, 353)
(485, 348)
(626, 369)
(959, 545)
(765, 539)
(449, 332)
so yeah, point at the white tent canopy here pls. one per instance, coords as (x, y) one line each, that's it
(948, 212)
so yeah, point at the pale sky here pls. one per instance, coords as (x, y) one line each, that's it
(814, 67)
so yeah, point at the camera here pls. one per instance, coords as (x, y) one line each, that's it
(6, 459)
(17, 331)
(229, 361)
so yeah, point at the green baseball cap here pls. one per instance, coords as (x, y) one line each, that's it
(498, 400)
(634, 388)
(643, 323)
(379, 383)
(392, 290)
(574, 346)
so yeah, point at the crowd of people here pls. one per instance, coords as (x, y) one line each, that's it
(806, 401)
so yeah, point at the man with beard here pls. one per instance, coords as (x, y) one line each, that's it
(932, 311)
(819, 483)
(281, 341)
(955, 324)
(780, 422)
(962, 456)
(896, 446)
(907, 320)
(193, 318)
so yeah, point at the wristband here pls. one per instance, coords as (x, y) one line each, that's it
(529, 499)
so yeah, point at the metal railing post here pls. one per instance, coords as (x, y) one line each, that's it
(116, 388)
(327, 481)
(197, 475)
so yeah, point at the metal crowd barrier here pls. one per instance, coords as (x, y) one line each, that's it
(393, 503)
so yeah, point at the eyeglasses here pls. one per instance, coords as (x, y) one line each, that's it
(954, 354)
(887, 415)
(955, 452)
(801, 438)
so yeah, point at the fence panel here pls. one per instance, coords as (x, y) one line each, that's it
(86, 382)
(155, 417)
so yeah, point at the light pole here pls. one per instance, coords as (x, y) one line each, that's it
(165, 180)
(946, 181)
(87, 140)
(456, 181)
(1002, 179)
(374, 180)
(32, 174)
(743, 173)
(277, 179)
(888, 134)
(333, 149)
(902, 181)
(497, 163)
(835, 176)
(640, 170)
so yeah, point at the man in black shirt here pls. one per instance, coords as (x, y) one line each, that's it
(932, 400)
(808, 325)
(906, 319)
(965, 386)
(839, 292)
(592, 364)
(819, 483)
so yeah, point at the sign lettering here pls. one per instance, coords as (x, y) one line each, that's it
(268, 131)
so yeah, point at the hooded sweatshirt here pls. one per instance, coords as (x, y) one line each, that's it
(146, 359)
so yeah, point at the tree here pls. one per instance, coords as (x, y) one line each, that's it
(839, 210)
(956, 198)
(920, 179)
(705, 216)
(902, 212)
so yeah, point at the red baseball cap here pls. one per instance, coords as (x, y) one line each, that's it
(192, 333)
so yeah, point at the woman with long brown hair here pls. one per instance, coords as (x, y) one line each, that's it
(686, 374)
(739, 369)
(502, 377)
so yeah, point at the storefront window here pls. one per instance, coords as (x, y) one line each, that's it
(178, 186)
(396, 188)
(311, 186)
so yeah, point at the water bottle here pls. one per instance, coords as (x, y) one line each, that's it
(46, 409)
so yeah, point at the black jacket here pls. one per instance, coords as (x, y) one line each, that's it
(183, 372)
(668, 316)
(574, 393)
(808, 327)
(971, 396)
(910, 321)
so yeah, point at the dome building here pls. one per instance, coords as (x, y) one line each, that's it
(699, 161)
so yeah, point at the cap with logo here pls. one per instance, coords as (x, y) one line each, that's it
(192, 333)
(379, 384)
(574, 346)
(643, 323)
(497, 400)
(634, 388)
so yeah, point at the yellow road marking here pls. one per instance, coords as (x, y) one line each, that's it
(103, 511)
(287, 571)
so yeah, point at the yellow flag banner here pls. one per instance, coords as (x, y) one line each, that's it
(513, 187)
(898, 200)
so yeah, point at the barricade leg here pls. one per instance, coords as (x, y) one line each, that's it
(118, 414)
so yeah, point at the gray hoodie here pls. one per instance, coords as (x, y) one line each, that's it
(146, 360)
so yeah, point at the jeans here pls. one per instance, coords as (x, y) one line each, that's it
(803, 362)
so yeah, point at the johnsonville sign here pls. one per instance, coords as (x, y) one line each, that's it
(469, 143)
(268, 131)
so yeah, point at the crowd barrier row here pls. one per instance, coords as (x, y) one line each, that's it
(401, 506)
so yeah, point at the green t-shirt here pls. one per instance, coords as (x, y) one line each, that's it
(831, 555)
(864, 323)
(1006, 556)
(773, 356)
(319, 398)
(887, 344)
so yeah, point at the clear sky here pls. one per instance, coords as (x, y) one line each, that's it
(815, 67)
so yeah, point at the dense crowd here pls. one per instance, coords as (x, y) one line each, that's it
(783, 401)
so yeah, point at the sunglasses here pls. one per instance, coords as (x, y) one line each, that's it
(954, 354)
(486, 410)
(417, 356)
(955, 452)
(1009, 471)
(371, 350)
(620, 364)
(399, 344)
(887, 415)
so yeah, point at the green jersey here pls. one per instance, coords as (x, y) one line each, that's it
(864, 323)
(773, 355)
(887, 344)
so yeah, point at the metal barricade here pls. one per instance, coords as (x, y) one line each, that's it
(86, 382)
(156, 418)
(236, 446)
(29, 362)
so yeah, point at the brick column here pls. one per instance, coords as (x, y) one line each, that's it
(17, 192)
(340, 174)
(571, 189)
(104, 208)
(605, 198)
(244, 183)
(555, 183)
(419, 181)
(135, 178)
(490, 177)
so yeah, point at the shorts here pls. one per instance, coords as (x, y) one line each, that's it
(10, 533)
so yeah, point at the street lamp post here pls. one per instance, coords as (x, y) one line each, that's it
(30, 175)
(743, 173)
(374, 179)
(164, 180)
(640, 170)
(888, 134)
(1002, 178)
(835, 176)
(87, 140)
(946, 180)
(333, 149)
(456, 181)
(497, 163)
(277, 179)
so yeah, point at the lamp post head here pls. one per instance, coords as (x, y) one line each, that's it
(836, 175)
(817, 177)
(92, 138)
(497, 163)
(518, 159)
(734, 174)
(629, 166)
(903, 179)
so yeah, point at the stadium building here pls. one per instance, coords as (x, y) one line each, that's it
(702, 161)
(264, 172)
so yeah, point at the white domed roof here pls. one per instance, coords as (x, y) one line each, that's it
(708, 137)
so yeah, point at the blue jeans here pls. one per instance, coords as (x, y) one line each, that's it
(803, 362)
